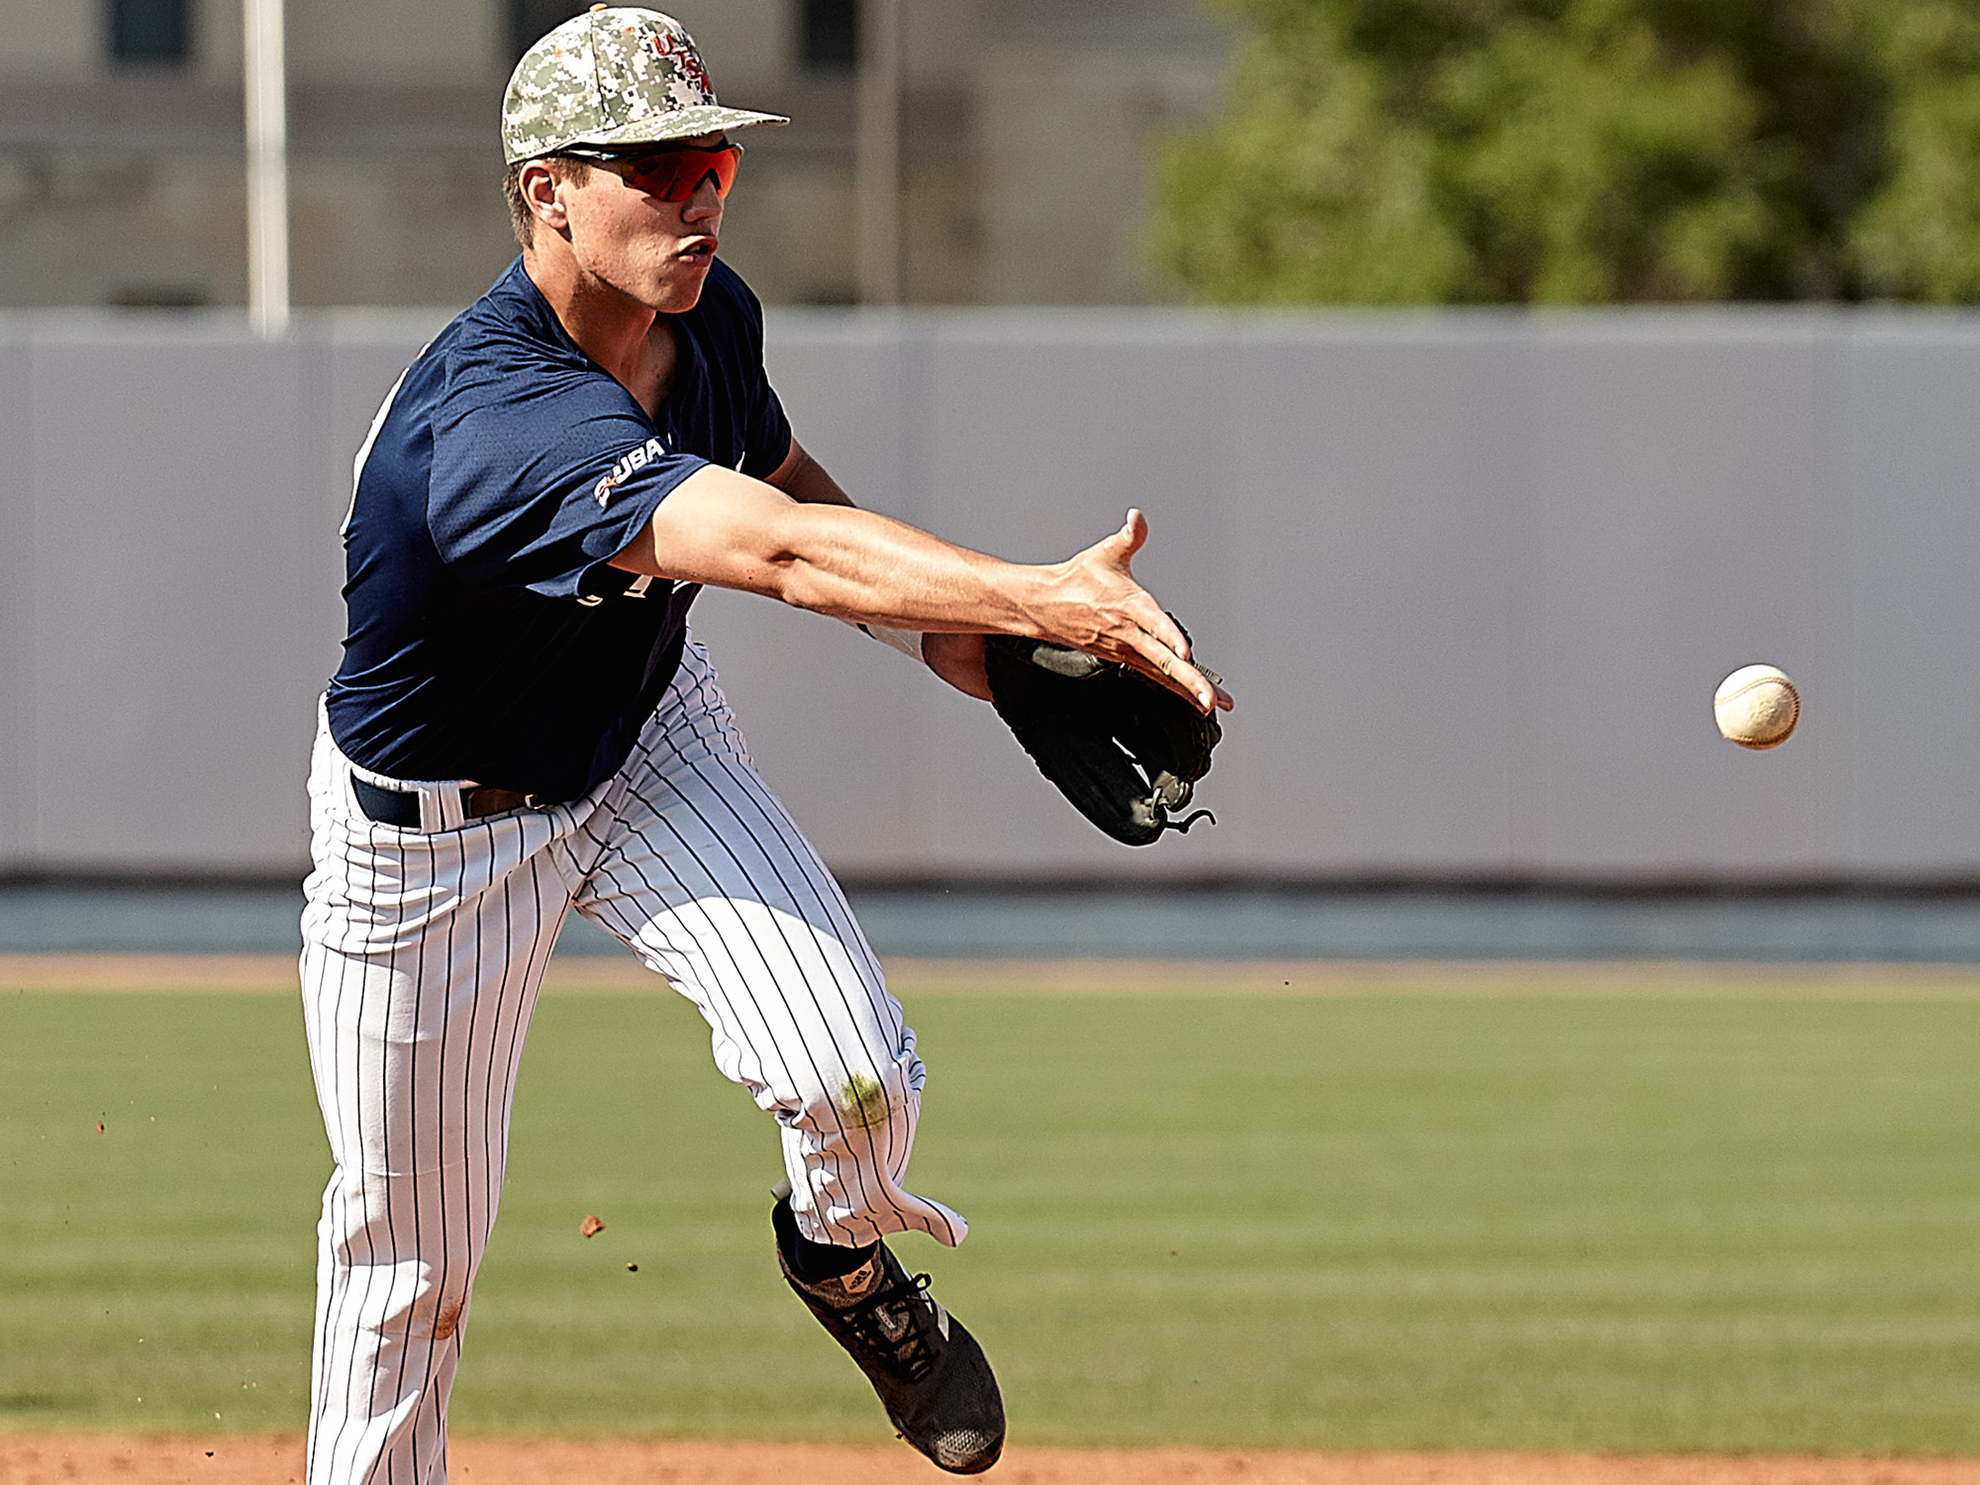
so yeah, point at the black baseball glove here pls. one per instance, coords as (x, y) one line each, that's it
(1124, 749)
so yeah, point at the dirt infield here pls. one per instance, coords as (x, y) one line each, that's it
(275, 974)
(233, 1460)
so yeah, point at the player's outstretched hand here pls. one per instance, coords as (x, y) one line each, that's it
(1098, 607)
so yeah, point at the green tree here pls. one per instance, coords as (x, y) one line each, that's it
(1917, 236)
(1584, 151)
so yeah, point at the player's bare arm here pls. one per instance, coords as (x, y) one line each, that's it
(725, 529)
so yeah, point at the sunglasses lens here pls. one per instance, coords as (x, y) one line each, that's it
(675, 175)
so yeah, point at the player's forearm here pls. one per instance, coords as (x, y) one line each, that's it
(867, 568)
(959, 660)
(807, 481)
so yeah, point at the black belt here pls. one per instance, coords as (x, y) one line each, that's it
(401, 808)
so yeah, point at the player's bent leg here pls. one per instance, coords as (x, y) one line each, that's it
(421, 961)
(702, 872)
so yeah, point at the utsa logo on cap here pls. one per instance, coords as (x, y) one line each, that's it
(617, 75)
(628, 464)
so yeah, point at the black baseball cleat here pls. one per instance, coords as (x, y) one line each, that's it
(932, 1377)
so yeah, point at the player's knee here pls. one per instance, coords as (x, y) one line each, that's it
(865, 1102)
(436, 1315)
(853, 1143)
(418, 1307)
(412, 1279)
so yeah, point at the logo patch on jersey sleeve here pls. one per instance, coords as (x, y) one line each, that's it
(629, 464)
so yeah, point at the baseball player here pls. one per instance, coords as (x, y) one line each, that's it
(523, 727)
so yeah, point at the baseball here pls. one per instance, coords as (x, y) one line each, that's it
(1757, 707)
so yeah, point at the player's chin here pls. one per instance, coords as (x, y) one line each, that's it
(681, 281)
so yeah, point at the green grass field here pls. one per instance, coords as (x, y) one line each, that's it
(1467, 1221)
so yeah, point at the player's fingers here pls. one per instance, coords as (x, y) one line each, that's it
(1155, 621)
(1196, 688)
(1160, 663)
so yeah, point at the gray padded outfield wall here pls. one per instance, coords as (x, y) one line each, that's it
(1472, 578)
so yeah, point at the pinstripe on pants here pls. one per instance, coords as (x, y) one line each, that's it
(422, 956)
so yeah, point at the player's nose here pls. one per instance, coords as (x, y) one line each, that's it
(706, 201)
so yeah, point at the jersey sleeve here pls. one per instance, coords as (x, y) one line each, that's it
(541, 472)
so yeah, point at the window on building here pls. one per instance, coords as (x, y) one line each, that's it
(148, 31)
(529, 19)
(828, 33)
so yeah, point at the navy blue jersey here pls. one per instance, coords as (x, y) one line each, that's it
(488, 638)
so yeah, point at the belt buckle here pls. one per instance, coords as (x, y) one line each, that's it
(503, 801)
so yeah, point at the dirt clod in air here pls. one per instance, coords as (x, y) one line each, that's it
(590, 1226)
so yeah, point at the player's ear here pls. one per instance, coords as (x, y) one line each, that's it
(539, 193)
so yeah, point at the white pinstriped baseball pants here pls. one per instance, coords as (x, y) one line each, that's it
(422, 955)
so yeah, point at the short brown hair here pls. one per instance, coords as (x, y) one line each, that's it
(522, 221)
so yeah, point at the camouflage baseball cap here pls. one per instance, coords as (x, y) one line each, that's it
(617, 75)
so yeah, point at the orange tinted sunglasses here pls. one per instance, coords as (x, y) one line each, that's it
(674, 173)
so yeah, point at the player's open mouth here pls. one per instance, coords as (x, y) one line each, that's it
(701, 250)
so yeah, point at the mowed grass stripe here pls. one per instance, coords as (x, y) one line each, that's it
(1649, 1222)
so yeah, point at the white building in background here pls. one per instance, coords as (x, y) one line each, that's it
(1026, 132)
